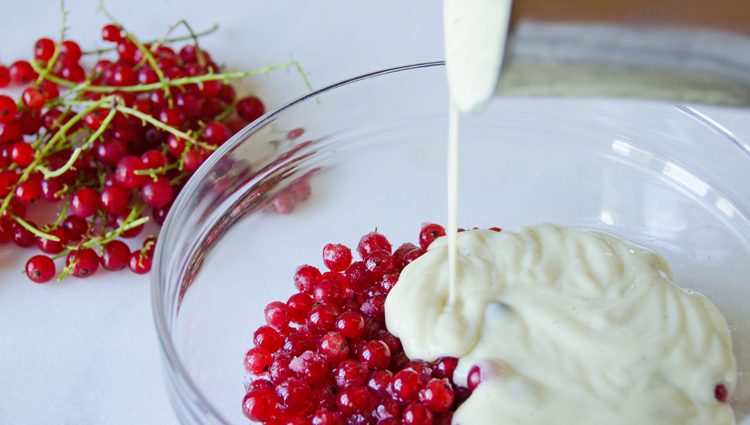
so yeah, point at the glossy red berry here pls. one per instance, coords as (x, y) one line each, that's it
(125, 174)
(379, 381)
(140, 262)
(373, 241)
(250, 108)
(216, 133)
(354, 400)
(75, 227)
(114, 200)
(720, 393)
(379, 263)
(350, 373)
(84, 203)
(40, 269)
(257, 361)
(33, 99)
(8, 109)
(325, 417)
(437, 395)
(22, 154)
(260, 405)
(21, 72)
(154, 159)
(157, 193)
(4, 76)
(193, 160)
(22, 237)
(334, 346)
(445, 367)
(49, 246)
(268, 339)
(277, 315)
(294, 396)
(351, 324)
(44, 48)
(375, 354)
(474, 378)
(299, 306)
(112, 33)
(115, 255)
(28, 191)
(429, 233)
(416, 414)
(84, 262)
(73, 72)
(70, 52)
(406, 384)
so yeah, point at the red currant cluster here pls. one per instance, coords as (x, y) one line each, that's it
(325, 356)
(108, 145)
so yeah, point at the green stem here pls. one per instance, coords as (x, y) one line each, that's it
(77, 151)
(203, 33)
(158, 124)
(154, 173)
(38, 233)
(51, 63)
(183, 81)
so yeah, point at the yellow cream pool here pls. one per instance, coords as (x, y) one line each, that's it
(568, 326)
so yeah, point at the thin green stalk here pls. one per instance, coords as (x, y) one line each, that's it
(158, 124)
(77, 151)
(183, 81)
(51, 63)
(30, 227)
(203, 33)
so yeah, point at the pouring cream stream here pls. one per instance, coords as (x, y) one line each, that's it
(566, 325)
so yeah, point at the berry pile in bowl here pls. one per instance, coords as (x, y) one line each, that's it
(278, 318)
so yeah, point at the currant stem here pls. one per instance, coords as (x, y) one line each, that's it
(158, 124)
(181, 81)
(77, 151)
(203, 33)
(38, 233)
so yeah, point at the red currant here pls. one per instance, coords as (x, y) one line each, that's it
(70, 52)
(157, 193)
(115, 255)
(8, 109)
(416, 414)
(250, 108)
(437, 395)
(22, 154)
(260, 405)
(112, 33)
(49, 246)
(351, 324)
(83, 263)
(84, 203)
(406, 384)
(257, 361)
(40, 269)
(334, 347)
(350, 373)
(125, 174)
(429, 233)
(373, 241)
(337, 257)
(375, 354)
(140, 263)
(21, 72)
(354, 400)
(277, 315)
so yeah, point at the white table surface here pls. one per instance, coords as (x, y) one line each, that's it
(85, 351)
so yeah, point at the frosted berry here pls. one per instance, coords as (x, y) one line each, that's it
(429, 233)
(371, 242)
(337, 257)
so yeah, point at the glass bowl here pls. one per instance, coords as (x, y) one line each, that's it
(373, 152)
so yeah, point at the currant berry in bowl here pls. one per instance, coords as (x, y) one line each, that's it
(368, 155)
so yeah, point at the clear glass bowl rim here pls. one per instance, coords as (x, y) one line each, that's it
(173, 362)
